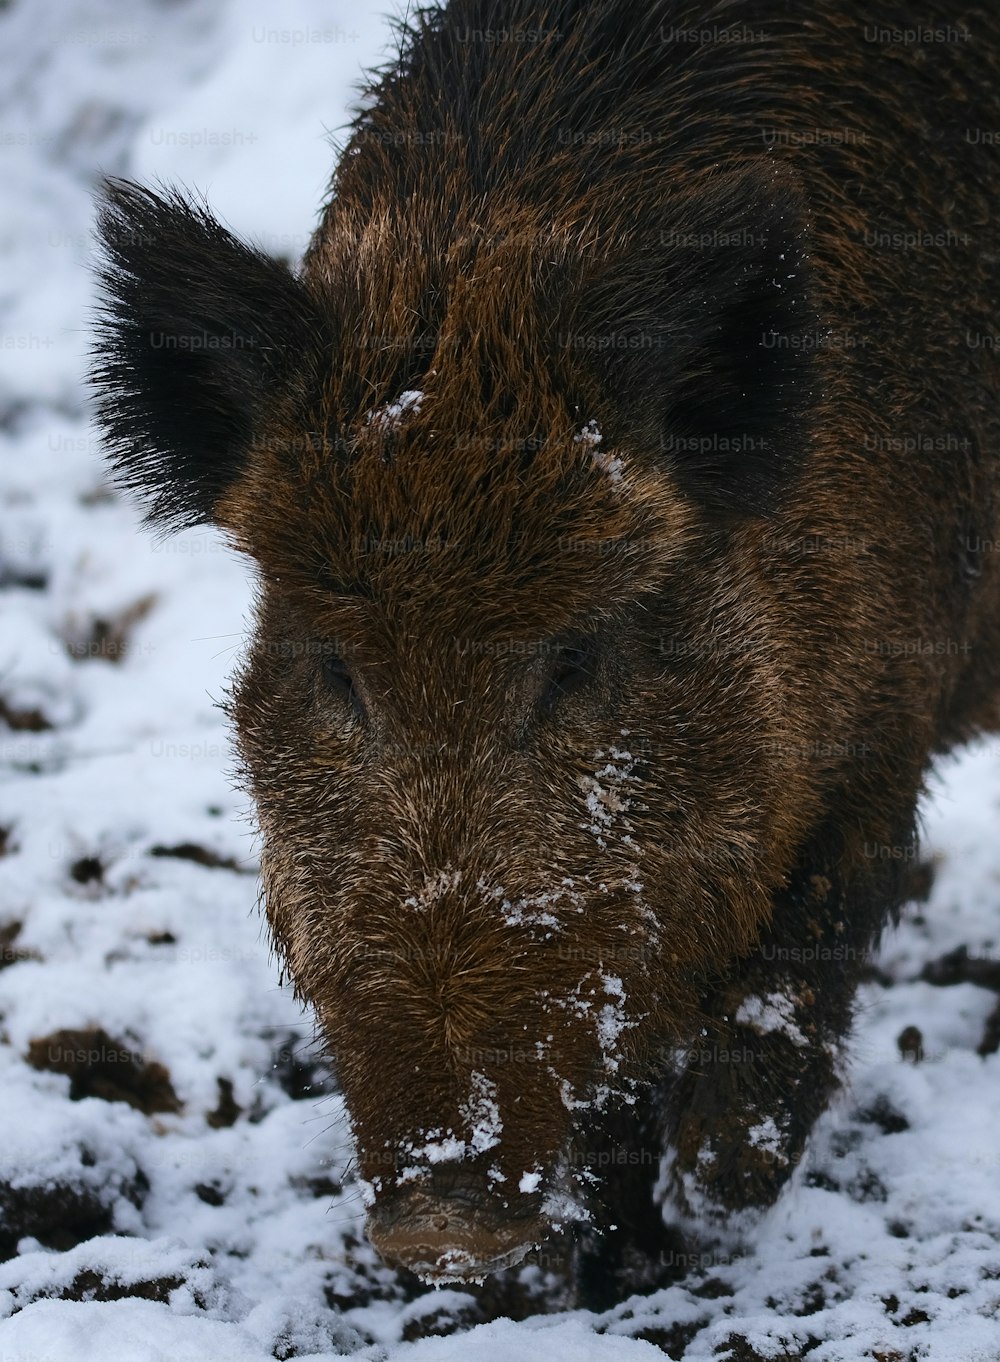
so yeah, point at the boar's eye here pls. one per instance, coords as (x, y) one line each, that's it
(340, 682)
(573, 666)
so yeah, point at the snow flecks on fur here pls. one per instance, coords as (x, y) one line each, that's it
(607, 800)
(590, 435)
(611, 464)
(767, 1137)
(439, 1146)
(435, 887)
(391, 416)
(561, 1203)
(610, 1024)
(612, 1021)
(682, 1192)
(482, 1112)
(567, 1093)
(535, 910)
(771, 1013)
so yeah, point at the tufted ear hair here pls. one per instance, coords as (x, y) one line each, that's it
(198, 337)
(704, 339)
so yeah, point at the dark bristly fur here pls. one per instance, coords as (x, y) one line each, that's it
(200, 335)
(587, 772)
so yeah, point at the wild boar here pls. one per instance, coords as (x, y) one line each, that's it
(621, 480)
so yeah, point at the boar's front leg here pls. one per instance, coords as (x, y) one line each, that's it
(765, 1066)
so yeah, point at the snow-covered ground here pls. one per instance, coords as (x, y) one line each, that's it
(174, 1165)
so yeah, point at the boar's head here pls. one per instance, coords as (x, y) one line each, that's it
(511, 710)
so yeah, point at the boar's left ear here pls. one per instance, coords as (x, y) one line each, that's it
(199, 336)
(705, 339)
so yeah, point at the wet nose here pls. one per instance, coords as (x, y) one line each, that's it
(450, 1229)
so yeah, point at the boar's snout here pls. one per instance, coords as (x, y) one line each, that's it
(451, 1229)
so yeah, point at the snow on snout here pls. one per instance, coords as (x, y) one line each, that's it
(771, 1013)
(607, 798)
(435, 887)
(482, 1113)
(611, 1020)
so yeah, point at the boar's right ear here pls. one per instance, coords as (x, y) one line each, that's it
(198, 335)
(710, 332)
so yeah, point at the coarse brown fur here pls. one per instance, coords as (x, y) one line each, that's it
(584, 766)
